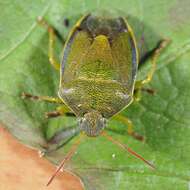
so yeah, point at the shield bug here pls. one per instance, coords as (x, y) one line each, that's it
(98, 76)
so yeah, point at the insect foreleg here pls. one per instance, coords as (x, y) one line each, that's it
(130, 126)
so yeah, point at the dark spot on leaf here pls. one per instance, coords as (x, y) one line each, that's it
(66, 22)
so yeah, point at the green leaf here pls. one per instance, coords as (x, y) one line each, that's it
(163, 118)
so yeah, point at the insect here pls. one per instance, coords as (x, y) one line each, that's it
(97, 76)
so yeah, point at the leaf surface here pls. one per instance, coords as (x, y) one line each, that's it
(163, 118)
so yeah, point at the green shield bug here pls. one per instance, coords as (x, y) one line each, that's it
(97, 76)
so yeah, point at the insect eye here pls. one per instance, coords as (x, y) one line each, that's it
(104, 121)
(81, 120)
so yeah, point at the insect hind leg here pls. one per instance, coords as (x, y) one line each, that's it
(52, 32)
(154, 57)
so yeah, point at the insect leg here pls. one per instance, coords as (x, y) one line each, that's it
(149, 90)
(138, 93)
(60, 139)
(139, 84)
(60, 111)
(52, 33)
(41, 98)
(130, 126)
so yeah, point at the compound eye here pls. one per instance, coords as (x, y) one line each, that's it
(82, 120)
(104, 120)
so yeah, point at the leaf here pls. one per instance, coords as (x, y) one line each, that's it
(163, 118)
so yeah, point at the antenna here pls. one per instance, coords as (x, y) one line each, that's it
(125, 147)
(67, 158)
